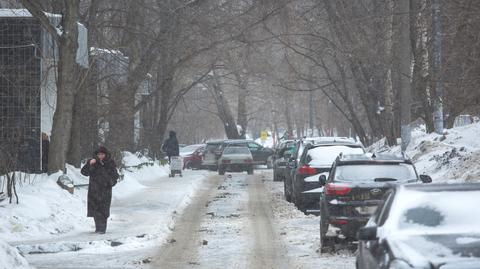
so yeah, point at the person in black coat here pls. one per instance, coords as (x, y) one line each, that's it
(103, 176)
(171, 145)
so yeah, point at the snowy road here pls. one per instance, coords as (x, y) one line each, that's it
(139, 223)
(241, 221)
(199, 221)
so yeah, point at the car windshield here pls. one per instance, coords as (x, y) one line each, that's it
(325, 155)
(370, 172)
(236, 150)
(435, 212)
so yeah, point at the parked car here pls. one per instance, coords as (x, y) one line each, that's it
(314, 159)
(235, 159)
(283, 152)
(355, 187)
(214, 149)
(192, 156)
(422, 226)
(211, 154)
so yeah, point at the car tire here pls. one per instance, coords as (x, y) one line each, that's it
(188, 165)
(324, 244)
(297, 197)
(275, 176)
(250, 171)
(269, 162)
(286, 192)
(221, 171)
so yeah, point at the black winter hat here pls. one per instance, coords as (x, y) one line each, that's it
(103, 150)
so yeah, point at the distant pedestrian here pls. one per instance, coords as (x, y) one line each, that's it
(171, 146)
(103, 176)
(45, 148)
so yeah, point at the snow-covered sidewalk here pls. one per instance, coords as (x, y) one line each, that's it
(49, 226)
(451, 157)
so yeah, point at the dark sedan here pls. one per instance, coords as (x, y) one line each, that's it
(434, 226)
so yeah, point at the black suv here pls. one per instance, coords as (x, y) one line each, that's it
(311, 160)
(214, 149)
(355, 187)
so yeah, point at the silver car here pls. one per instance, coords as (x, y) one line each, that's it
(235, 159)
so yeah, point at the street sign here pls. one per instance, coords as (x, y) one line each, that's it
(263, 135)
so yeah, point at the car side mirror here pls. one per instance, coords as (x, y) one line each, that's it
(367, 233)
(425, 179)
(323, 180)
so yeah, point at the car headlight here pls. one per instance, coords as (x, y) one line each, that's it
(399, 264)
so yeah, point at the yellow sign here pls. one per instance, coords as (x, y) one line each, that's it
(263, 135)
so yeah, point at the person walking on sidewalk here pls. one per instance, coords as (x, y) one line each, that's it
(103, 176)
(171, 146)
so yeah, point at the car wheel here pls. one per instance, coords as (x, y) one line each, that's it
(188, 165)
(269, 163)
(221, 171)
(286, 191)
(250, 171)
(297, 197)
(324, 242)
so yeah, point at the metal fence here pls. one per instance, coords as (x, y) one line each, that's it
(20, 77)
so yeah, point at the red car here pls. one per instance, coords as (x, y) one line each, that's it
(192, 156)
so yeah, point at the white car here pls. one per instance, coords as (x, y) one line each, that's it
(235, 159)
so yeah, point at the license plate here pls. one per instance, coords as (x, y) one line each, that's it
(366, 210)
(361, 196)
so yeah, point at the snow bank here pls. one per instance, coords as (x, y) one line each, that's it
(10, 258)
(454, 156)
(45, 210)
(137, 168)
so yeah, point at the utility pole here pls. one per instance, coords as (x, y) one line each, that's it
(401, 63)
(437, 66)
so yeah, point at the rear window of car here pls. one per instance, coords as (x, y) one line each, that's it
(436, 211)
(212, 147)
(236, 150)
(326, 155)
(370, 172)
(189, 149)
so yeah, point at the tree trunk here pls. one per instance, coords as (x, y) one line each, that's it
(242, 119)
(66, 87)
(84, 126)
(224, 110)
(121, 119)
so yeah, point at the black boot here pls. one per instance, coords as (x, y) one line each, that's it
(102, 228)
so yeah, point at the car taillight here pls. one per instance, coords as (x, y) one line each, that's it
(339, 222)
(225, 161)
(337, 189)
(307, 170)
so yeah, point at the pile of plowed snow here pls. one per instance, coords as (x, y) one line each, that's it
(453, 156)
(45, 210)
(10, 258)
